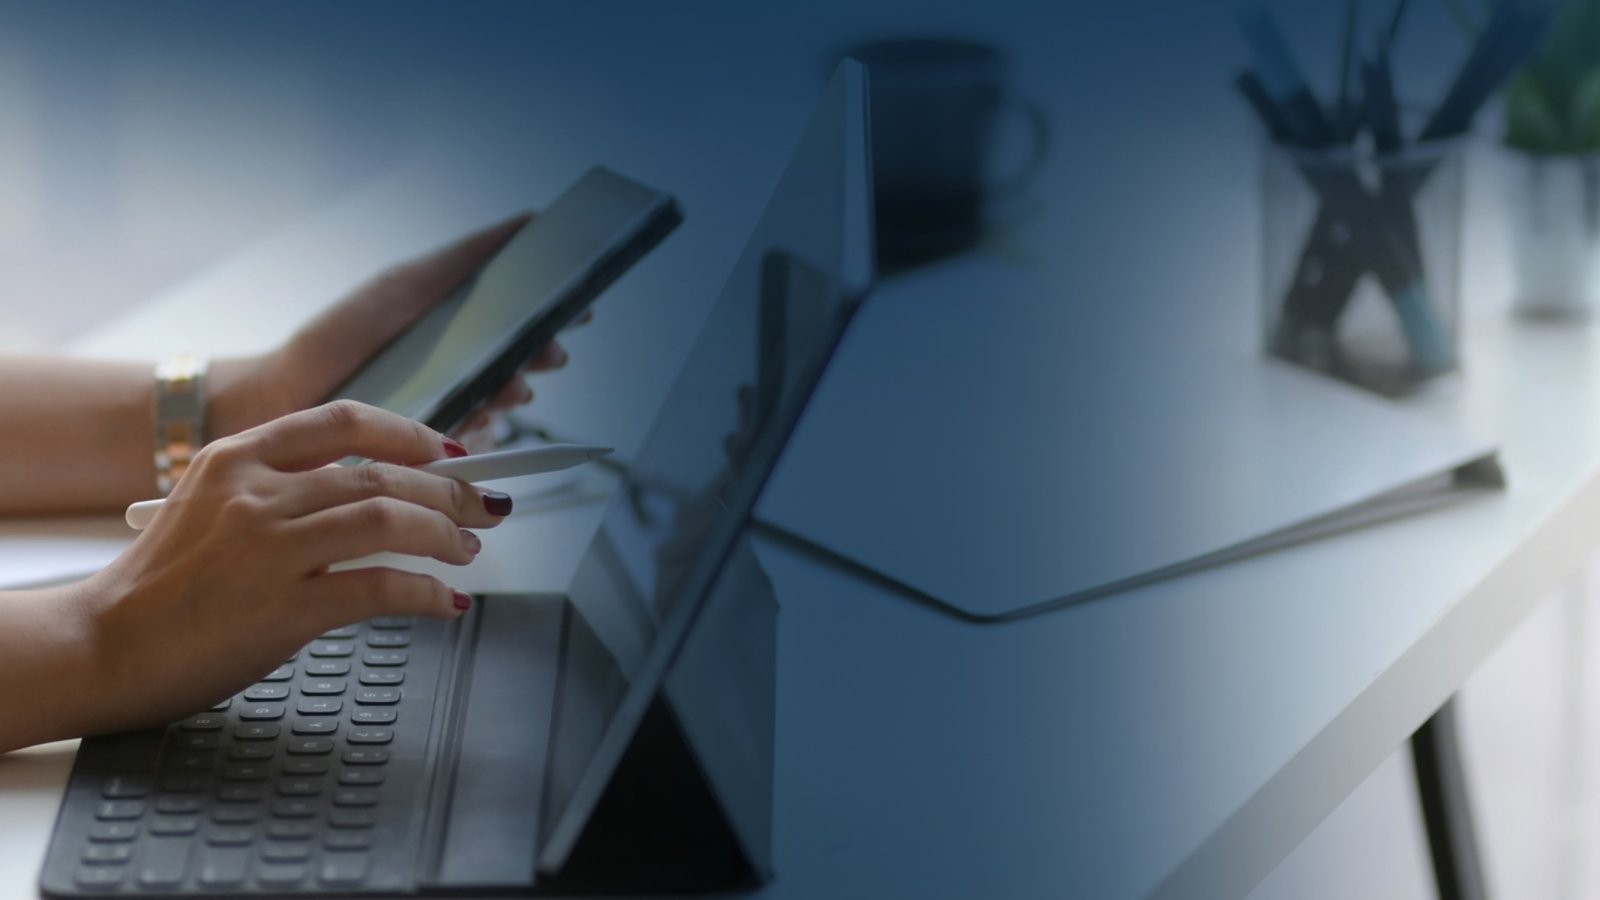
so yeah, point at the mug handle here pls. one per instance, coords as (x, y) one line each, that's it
(1038, 124)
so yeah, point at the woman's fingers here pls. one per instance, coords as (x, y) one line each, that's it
(378, 525)
(352, 595)
(333, 431)
(512, 394)
(305, 493)
(550, 356)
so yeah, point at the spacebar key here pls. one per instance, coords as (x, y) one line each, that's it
(344, 868)
(163, 862)
(223, 866)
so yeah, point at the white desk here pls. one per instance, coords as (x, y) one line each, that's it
(1175, 741)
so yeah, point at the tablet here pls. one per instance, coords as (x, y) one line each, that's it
(659, 583)
(459, 353)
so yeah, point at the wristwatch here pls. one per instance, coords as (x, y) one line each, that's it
(180, 418)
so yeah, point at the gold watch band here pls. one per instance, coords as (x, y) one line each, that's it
(180, 418)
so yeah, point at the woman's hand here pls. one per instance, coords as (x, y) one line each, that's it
(233, 575)
(330, 348)
(77, 435)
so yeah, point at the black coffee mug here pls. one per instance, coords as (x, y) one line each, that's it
(935, 106)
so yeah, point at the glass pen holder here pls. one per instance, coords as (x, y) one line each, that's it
(1361, 260)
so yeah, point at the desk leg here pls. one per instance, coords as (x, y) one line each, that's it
(1446, 810)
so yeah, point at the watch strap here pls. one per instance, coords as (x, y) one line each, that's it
(180, 411)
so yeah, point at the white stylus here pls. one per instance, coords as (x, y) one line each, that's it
(472, 469)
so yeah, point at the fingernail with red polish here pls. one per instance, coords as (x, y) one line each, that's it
(463, 600)
(472, 541)
(496, 503)
(453, 447)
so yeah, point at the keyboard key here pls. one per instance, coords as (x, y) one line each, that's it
(391, 622)
(378, 696)
(348, 631)
(282, 851)
(319, 668)
(163, 861)
(370, 735)
(198, 740)
(113, 832)
(389, 640)
(222, 866)
(347, 840)
(107, 854)
(300, 787)
(366, 756)
(314, 745)
(294, 808)
(256, 731)
(206, 721)
(305, 765)
(293, 656)
(230, 835)
(315, 726)
(125, 787)
(320, 686)
(241, 793)
(252, 751)
(361, 776)
(343, 868)
(222, 704)
(140, 751)
(235, 814)
(244, 772)
(280, 874)
(319, 706)
(290, 831)
(261, 711)
(98, 878)
(355, 797)
(267, 692)
(191, 761)
(325, 649)
(174, 826)
(179, 804)
(281, 673)
(119, 809)
(179, 784)
(385, 657)
(352, 818)
(382, 676)
(373, 715)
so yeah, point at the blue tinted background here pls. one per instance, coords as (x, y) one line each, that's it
(143, 141)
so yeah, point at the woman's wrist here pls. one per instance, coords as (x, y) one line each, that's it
(53, 645)
(243, 392)
(128, 674)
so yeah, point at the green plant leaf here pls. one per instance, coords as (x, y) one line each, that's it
(1584, 124)
(1531, 125)
(1571, 49)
